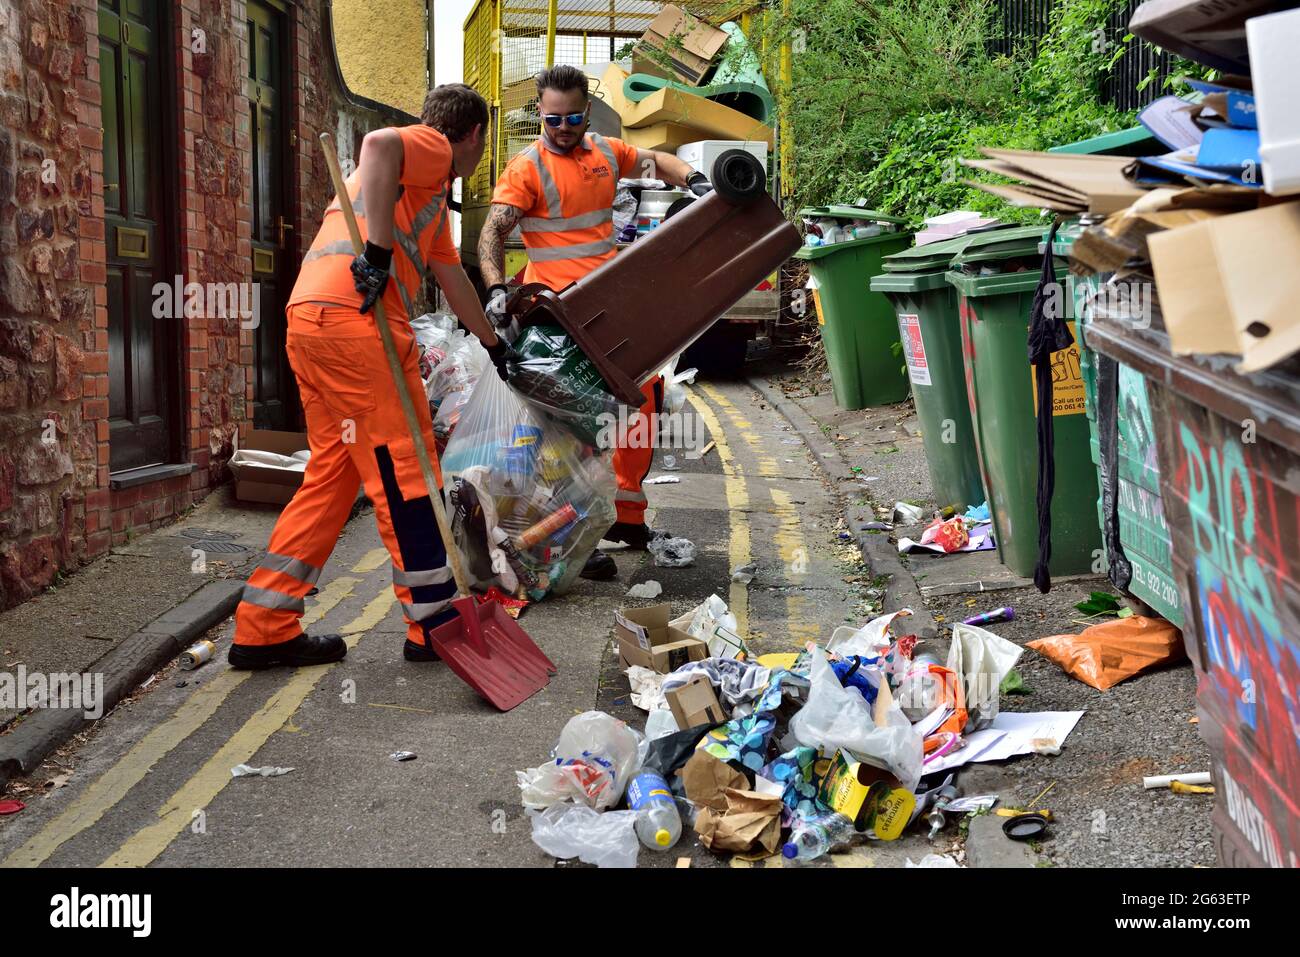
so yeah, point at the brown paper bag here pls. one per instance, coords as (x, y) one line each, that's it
(1106, 654)
(705, 778)
(751, 820)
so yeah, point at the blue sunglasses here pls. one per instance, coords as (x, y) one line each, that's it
(554, 120)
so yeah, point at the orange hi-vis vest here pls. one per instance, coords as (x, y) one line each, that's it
(421, 229)
(568, 204)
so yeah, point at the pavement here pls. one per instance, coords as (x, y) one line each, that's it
(151, 783)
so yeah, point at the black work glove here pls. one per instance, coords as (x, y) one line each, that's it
(502, 355)
(370, 274)
(496, 305)
(699, 184)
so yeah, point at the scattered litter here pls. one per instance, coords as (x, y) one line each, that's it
(978, 538)
(905, 514)
(196, 654)
(1165, 780)
(58, 781)
(11, 807)
(1011, 734)
(246, 771)
(592, 762)
(978, 513)
(650, 589)
(705, 451)
(647, 688)
(1006, 613)
(1178, 787)
(974, 802)
(878, 527)
(660, 723)
(1024, 827)
(670, 464)
(662, 480)
(744, 574)
(403, 755)
(1105, 654)
(672, 552)
(748, 821)
(574, 830)
(934, 860)
(1046, 746)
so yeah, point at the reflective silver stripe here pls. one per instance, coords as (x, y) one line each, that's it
(604, 147)
(625, 496)
(549, 189)
(536, 224)
(275, 600)
(411, 247)
(406, 299)
(358, 205)
(426, 610)
(433, 576)
(578, 251)
(430, 209)
(339, 247)
(295, 567)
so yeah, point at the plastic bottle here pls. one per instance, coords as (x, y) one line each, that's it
(658, 825)
(812, 837)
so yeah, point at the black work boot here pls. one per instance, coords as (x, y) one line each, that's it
(600, 567)
(295, 653)
(634, 536)
(413, 652)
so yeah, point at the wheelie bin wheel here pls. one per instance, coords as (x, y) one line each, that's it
(738, 177)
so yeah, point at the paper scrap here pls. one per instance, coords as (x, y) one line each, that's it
(244, 771)
(1012, 733)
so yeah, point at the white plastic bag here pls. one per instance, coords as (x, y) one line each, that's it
(572, 830)
(672, 552)
(712, 622)
(594, 759)
(981, 659)
(836, 717)
(675, 385)
(869, 641)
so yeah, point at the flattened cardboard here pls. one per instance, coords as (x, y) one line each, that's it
(712, 120)
(692, 58)
(259, 483)
(1230, 285)
(695, 703)
(1100, 178)
(1022, 196)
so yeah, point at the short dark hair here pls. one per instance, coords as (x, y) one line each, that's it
(562, 79)
(454, 109)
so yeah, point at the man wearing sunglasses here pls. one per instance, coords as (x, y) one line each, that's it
(560, 193)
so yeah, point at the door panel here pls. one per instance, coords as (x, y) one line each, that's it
(275, 393)
(143, 355)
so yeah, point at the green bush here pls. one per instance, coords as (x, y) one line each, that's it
(888, 95)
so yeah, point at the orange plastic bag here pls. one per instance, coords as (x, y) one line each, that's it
(1106, 654)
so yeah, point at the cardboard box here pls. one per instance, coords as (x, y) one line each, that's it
(695, 703)
(663, 659)
(1230, 285)
(690, 46)
(258, 483)
(868, 796)
(701, 154)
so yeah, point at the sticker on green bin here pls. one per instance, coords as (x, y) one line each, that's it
(1068, 393)
(918, 370)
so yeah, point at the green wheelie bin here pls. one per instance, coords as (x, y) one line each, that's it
(926, 306)
(995, 278)
(857, 325)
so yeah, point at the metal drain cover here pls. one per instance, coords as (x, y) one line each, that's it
(207, 535)
(219, 547)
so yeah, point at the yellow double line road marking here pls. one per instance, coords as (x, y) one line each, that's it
(114, 784)
(209, 781)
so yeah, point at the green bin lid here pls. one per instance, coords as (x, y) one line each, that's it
(909, 281)
(1001, 244)
(849, 212)
(999, 283)
(927, 257)
(817, 252)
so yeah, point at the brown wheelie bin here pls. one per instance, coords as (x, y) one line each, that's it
(652, 301)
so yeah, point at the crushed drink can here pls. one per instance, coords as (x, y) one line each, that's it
(196, 654)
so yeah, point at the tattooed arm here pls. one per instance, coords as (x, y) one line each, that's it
(501, 220)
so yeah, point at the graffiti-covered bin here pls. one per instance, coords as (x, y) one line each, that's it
(1229, 450)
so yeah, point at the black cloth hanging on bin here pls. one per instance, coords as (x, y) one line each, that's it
(1047, 334)
(1120, 571)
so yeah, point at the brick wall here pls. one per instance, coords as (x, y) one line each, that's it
(57, 505)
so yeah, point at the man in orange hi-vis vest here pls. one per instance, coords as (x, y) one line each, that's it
(560, 192)
(355, 425)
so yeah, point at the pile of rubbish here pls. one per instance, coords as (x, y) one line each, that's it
(799, 754)
(972, 531)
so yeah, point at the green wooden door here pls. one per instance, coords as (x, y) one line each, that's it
(143, 359)
(275, 394)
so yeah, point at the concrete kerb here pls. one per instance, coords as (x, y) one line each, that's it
(901, 590)
(123, 669)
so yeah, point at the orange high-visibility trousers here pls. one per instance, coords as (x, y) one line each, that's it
(635, 453)
(358, 434)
